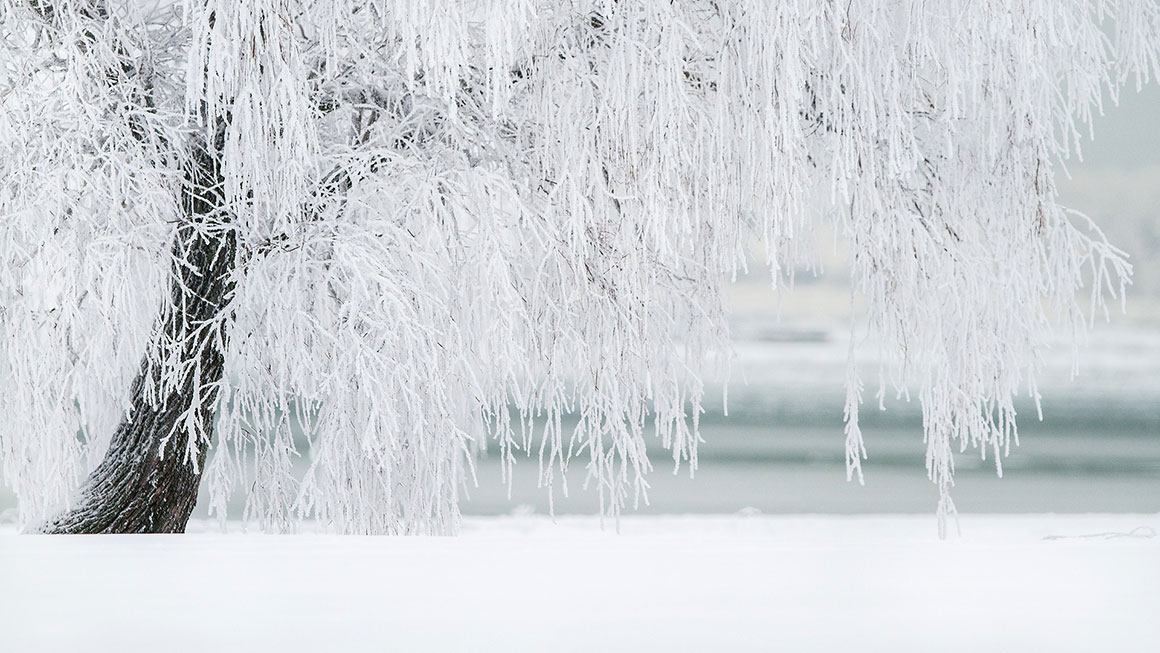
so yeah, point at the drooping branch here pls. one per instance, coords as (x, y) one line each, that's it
(534, 208)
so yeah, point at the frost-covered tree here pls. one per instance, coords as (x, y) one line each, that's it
(417, 227)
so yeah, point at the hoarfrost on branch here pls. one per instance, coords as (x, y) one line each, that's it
(457, 222)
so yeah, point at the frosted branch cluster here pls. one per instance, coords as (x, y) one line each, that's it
(459, 221)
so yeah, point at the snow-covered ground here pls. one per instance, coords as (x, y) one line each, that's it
(724, 583)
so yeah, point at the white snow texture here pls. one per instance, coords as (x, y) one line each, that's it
(458, 221)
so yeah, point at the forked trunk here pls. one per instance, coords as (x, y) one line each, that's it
(147, 482)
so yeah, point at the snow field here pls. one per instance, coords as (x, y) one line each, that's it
(727, 583)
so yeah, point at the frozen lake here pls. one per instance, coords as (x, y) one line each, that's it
(780, 450)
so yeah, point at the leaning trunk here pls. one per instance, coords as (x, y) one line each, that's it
(148, 479)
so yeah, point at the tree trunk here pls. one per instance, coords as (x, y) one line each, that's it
(147, 482)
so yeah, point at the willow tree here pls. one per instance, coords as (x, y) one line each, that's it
(422, 226)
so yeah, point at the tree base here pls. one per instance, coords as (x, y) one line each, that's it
(148, 479)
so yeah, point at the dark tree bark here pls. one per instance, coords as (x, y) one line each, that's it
(147, 482)
(149, 477)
